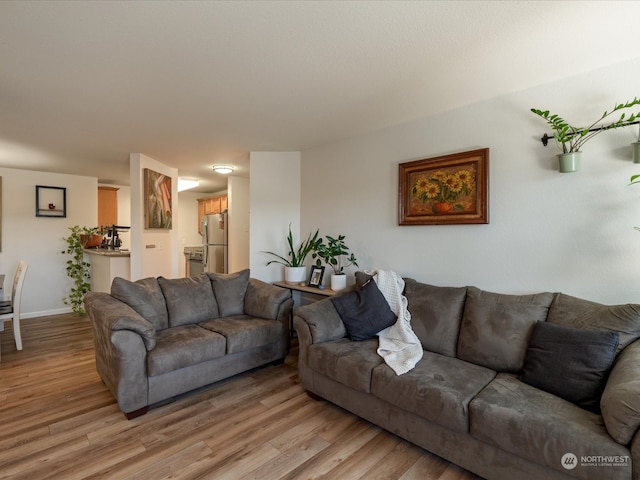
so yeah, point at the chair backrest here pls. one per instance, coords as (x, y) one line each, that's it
(18, 281)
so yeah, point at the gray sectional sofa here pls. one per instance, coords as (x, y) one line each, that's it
(542, 386)
(156, 338)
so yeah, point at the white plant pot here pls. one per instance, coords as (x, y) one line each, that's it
(295, 275)
(338, 282)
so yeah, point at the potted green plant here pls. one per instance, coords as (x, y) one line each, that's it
(573, 138)
(335, 254)
(295, 271)
(77, 268)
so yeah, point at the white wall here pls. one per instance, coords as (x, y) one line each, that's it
(275, 203)
(154, 252)
(548, 231)
(39, 240)
(239, 219)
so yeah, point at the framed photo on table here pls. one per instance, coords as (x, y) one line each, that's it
(315, 277)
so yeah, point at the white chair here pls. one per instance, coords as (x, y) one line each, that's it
(10, 310)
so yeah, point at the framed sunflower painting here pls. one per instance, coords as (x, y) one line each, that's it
(450, 189)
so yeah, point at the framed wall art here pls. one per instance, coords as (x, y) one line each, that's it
(51, 201)
(450, 189)
(157, 200)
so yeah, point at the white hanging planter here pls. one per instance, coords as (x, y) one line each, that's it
(295, 275)
(338, 282)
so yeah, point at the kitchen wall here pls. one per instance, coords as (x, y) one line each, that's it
(39, 240)
(239, 220)
(124, 212)
(548, 231)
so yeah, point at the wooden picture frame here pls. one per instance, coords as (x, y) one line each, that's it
(445, 190)
(315, 277)
(51, 201)
(157, 200)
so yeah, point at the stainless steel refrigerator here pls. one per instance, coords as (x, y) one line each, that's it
(215, 242)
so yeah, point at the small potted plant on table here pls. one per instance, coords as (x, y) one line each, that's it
(336, 255)
(295, 271)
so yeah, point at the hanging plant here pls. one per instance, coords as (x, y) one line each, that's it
(77, 268)
(573, 138)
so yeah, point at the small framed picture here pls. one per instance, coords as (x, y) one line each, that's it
(315, 278)
(51, 201)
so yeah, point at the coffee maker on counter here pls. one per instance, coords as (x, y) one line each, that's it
(111, 238)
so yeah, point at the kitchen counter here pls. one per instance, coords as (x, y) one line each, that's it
(106, 265)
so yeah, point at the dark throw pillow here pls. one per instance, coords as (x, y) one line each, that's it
(364, 312)
(571, 363)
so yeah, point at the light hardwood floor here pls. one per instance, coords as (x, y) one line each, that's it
(57, 420)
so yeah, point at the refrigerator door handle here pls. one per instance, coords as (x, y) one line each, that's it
(205, 232)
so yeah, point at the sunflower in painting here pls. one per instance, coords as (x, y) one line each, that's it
(444, 190)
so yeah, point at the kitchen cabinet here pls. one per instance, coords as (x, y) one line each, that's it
(107, 206)
(213, 204)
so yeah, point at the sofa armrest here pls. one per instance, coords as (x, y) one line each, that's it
(121, 338)
(322, 320)
(114, 315)
(264, 300)
(620, 402)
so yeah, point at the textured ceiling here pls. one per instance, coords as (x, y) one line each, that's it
(192, 84)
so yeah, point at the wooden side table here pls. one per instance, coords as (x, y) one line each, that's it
(324, 292)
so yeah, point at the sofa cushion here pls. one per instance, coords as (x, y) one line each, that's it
(496, 327)
(620, 401)
(244, 333)
(364, 311)
(263, 300)
(145, 297)
(345, 361)
(538, 426)
(182, 346)
(570, 362)
(189, 299)
(436, 313)
(576, 312)
(438, 389)
(230, 289)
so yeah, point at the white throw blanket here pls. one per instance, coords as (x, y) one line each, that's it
(399, 346)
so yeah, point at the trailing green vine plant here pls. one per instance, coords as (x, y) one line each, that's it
(77, 268)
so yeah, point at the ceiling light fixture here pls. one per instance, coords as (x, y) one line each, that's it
(185, 184)
(223, 169)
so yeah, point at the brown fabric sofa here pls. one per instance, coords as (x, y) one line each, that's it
(157, 338)
(466, 401)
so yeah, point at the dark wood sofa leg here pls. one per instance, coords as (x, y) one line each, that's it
(136, 413)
